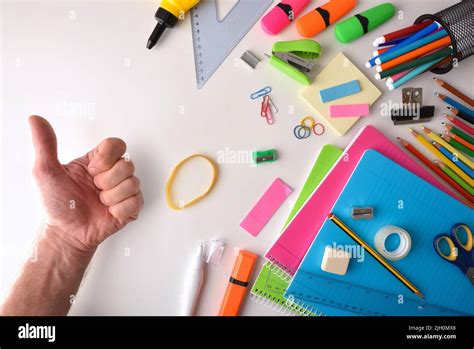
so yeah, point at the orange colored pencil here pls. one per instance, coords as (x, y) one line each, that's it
(454, 91)
(460, 140)
(438, 171)
(443, 42)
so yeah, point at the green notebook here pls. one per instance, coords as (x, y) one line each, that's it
(326, 159)
(272, 282)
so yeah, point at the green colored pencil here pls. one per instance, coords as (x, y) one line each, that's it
(454, 177)
(414, 63)
(458, 132)
(458, 145)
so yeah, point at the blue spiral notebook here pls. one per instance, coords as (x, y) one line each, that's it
(402, 199)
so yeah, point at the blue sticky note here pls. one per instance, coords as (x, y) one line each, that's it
(339, 91)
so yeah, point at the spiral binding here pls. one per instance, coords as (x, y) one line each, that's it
(283, 273)
(285, 307)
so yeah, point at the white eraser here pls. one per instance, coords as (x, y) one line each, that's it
(335, 261)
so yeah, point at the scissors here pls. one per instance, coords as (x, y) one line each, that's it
(457, 248)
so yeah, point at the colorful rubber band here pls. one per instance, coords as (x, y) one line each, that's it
(323, 129)
(305, 119)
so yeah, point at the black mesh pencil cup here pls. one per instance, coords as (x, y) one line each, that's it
(457, 20)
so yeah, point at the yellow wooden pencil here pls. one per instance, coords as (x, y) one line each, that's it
(441, 156)
(375, 254)
(448, 146)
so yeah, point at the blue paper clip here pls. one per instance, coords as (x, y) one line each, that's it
(262, 92)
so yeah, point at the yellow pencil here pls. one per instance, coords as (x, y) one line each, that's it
(375, 254)
(441, 156)
(448, 146)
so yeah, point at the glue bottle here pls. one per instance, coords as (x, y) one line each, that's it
(169, 12)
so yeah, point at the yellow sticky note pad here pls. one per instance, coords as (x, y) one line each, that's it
(339, 71)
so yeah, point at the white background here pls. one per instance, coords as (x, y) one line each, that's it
(84, 66)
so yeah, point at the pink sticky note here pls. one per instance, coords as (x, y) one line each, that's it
(266, 207)
(346, 110)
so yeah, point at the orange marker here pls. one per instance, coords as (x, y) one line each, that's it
(319, 19)
(238, 282)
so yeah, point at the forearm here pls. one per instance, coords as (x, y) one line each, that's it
(47, 282)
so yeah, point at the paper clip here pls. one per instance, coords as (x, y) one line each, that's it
(265, 104)
(297, 131)
(269, 116)
(273, 106)
(262, 92)
(323, 129)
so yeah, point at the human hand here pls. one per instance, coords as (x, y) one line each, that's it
(91, 197)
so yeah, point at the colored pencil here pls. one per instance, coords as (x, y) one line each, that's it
(379, 51)
(392, 42)
(413, 73)
(458, 132)
(448, 146)
(396, 77)
(435, 169)
(441, 156)
(458, 146)
(461, 115)
(455, 104)
(460, 124)
(454, 91)
(455, 158)
(414, 63)
(415, 49)
(401, 33)
(412, 38)
(460, 140)
(375, 254)
(454, 177)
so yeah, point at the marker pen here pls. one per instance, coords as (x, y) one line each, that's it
(282, 15)
(319, 19)
(238, 283)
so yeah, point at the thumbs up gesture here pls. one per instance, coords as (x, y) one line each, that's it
(90, 198)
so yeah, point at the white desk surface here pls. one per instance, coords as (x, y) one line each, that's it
(84, 66)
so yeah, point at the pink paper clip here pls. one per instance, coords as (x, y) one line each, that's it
(269, 116)
(265, 104)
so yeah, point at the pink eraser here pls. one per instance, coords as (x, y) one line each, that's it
(266, 207)
(282, 15)
(346, 110)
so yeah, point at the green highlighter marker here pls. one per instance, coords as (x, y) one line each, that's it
(364, 22)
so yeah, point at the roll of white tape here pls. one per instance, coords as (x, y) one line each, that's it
(403, 248)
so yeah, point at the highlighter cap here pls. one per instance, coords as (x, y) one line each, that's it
(352, 28)
(277, 19)
(243, 266)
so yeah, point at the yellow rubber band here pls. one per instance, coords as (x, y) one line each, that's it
(169, 183)
(311, 121)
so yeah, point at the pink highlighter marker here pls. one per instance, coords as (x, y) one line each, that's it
(282, 15)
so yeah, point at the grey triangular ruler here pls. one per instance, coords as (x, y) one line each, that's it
(214, 40)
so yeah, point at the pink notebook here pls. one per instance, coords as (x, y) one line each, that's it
(289, 250)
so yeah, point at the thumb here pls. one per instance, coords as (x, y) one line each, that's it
(44, 142)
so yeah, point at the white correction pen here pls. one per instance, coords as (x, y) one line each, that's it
(193, 280)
